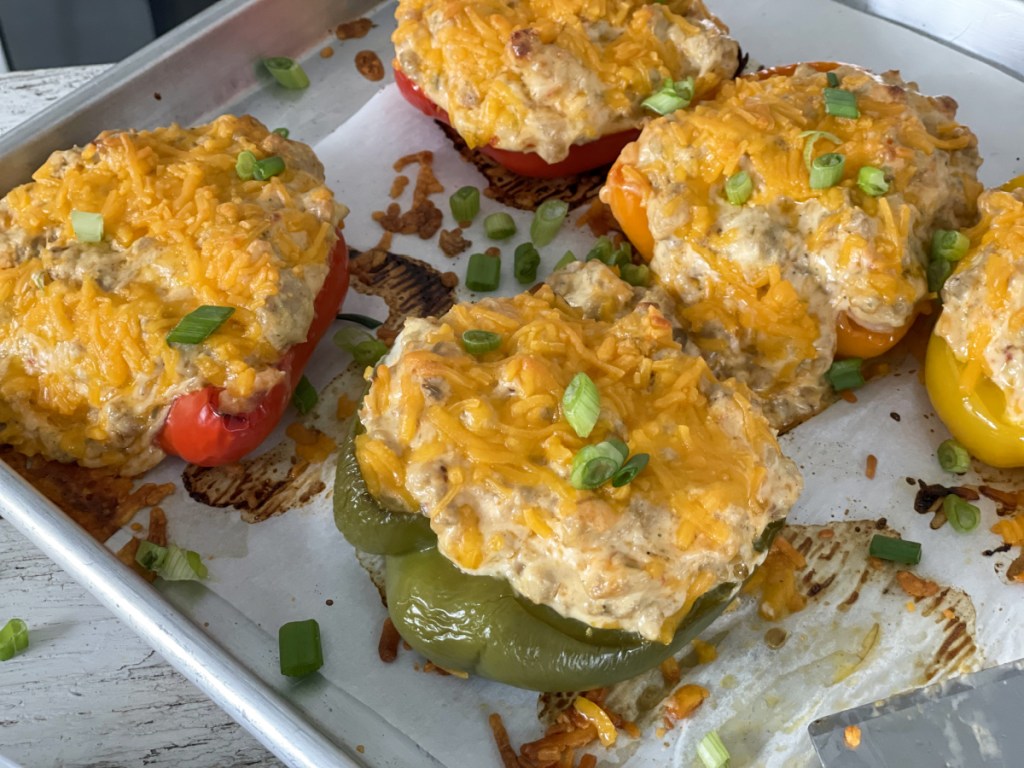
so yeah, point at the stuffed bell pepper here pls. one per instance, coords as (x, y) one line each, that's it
(974, 369)
(553, 88)
(563, 500)
(161, 291)
(792, 215)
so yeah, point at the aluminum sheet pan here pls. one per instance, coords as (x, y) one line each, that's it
(221, 635)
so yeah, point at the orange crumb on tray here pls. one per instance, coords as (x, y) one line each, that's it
(326, 52)
(848, 396)
(870, 466)
(684, 702)
(706, 652)
(1011, 529)
(851, 735)
(311, 445)
(346, 407)
(911, 606)
(915, 586)
(670, 672)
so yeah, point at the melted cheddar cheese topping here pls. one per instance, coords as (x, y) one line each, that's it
(86, 373)
(481, 447)
(762, 284)
(542, 75)
(983, 301)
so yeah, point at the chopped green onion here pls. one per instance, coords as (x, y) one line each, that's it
(301, 652)
(171, 563)
(962, 515)
(582, 404)
(364, 348)
(595, 465)
(88, 226)
(368, 322)
(827, 170)
(811, 138)
(525, 263)
(712, 751)
(565, 261)
(938, 272)
(833, 79)
(465, 204)
(630, 469)
(840, 103)
(547, 220)
(499, 226)
(953, 457)
(483, 272)
(603, 250)
(199, 324)
(245, 165)
(13, 639)
(845, 374)
(478, 342)
(287, 72)
(872, 181)
(949, 245)
(739, 187)
(636, 274)
(284, 133)
(896, 550)
(671, 96)
(267, 167)
(305, 396)
(619, 445)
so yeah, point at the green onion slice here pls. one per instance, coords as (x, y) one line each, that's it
(245, 165)
(619, 445)
(525, 263)
(845, 374)
(949, 245)
(267, 167)
(953, 457)
(827, 170)
(636, 274)
(13, 639)
(287, 72)
(478, 342)
(630, 469)
(938, 271)
(171, 563)
(483, 272)
(88, 227)
(465, 204)
(712, 751)
(565, 261)
(364, 348)
(305, 396)
(363, 320)
(499, 226)
(895, 550)
(671, 96)
(582, 404)
(833, 79)
(301, 652)
(739, 187)
(603, 250)
(547, 220)
(811, 138)
(840, 103)
(199, 324)
(872, 181)
(962, 515)
(595, 465)
(284, 133)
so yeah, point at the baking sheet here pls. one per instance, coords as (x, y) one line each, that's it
(288, 567)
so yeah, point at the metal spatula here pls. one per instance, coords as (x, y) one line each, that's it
(974, 721)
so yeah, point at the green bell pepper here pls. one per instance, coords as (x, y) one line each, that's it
(478, 624)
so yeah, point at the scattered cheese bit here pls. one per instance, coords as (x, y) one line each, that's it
(870, 466)
(851, 735)
(684, 702)
(915, 586)
(706, 652)
(605, 728)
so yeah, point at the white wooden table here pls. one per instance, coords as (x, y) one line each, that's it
(88, 692)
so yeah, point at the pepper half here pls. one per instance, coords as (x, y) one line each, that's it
(477, 624)
(200, 433)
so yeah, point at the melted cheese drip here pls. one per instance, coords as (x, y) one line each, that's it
(541, 75)
(763, 283)
(482, 448)
(983, 301)
(85, 370)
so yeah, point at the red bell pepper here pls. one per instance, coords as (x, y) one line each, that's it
(581, 157)
(197, 431)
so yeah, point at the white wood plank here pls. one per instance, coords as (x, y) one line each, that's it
(88, 691)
